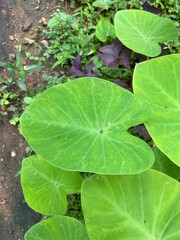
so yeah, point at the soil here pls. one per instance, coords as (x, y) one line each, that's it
(15, 216)
(20, 21)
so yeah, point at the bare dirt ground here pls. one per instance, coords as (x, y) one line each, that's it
(15, 216)
(20, 20)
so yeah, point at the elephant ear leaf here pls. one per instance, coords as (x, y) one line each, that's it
(142, 206)
(56, 228)
(83, 126)
(143, 31)
(157, 82)
(45, 186)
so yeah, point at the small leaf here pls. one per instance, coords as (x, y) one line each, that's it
(33, 68)
(143, 206)
(104, 29)
(76, 69)
(142, 31)
(103, 4)
(22, 85)
(19, 62)
(8, 65)
(59, 62)
(22, 75)
(89, 72)
(109, 60)
(14, 120)
(28, 100)
(75, 72)
(110, 54)
(77, 62)
(125, 56)
(56, 228)
(45, 187)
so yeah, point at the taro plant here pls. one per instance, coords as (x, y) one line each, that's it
(142, 31)
(82, 126)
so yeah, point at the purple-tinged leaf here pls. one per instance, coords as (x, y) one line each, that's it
(109, 60)
(107, 50)
(89, 67)
(77, 62)
(76, 69)
(120, 83)
(75, 72)
(142, 131)
(125, 56)
(116, 46)
(147, 7)
(123, 84)
(113, 48)
(110, 54)
(89, 70)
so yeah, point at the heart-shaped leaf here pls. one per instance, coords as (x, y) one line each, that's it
(142, 31)
(142, 206)
(82, 125)
(109, 54)
(157, 82)
(56, 228)
(104, 29)
(45, 187)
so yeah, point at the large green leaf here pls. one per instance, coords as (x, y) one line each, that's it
(165, 165)
(142, 31)
(58, 228)
(82, 125)
(45, 187)
(144, 207)
(157, 82)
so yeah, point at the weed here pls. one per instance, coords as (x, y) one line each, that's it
(53, 80)
(12, 85)
(17, 72)
(167, 7)
(70, 35)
